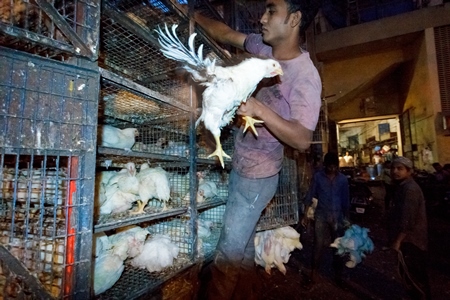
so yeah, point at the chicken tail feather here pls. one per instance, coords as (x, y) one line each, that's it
(174, 49)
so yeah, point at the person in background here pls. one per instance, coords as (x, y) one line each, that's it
(440, 175)
(348, 160)
(408, 229)
(289, 107)
(331, 215)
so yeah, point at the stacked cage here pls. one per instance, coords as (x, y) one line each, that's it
(57, 29)
(64, 212)
(47, 127)
(48, 122)
(146, 92)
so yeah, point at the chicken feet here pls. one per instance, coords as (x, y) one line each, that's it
(219, 151)
(141, 206)
(140, 209)
(250, 122)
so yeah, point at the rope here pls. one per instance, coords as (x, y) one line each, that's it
(402, 263)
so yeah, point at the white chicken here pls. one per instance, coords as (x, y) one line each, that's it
(109, 136)
(226, 87)
(273, 247)
(129, 242)
(126, 179)
(153, 183)
(312, 209)
(120, 191)
(101, 243)
(157, 254)
(204, 228)
(206, 188)
(116, 201)
(107, 270)
(107, 266)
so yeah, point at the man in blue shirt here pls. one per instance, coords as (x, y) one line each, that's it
(331, 188)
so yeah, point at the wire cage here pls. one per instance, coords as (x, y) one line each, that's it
(130, 47)
(282, 210)
(170, 235)
(208, 228)
(57, 28)
(47, 127)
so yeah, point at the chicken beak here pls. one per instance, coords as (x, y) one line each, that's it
(278, 71)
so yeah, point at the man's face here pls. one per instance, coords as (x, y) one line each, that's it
(275, 21)
(399, 172)
(331, 169)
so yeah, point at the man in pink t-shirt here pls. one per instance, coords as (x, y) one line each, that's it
(289, 107)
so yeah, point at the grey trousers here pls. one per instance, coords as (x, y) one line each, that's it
(235, 252)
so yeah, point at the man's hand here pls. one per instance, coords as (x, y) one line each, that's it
(305, 221)
(251, 108)
(396, 246)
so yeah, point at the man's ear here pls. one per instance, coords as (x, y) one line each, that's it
(296, 18)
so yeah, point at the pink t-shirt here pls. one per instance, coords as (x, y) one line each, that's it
(297, 96)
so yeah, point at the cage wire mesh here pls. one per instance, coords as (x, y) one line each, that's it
(129, 46)
(39, 226)
(320, 134)
(248, 14)
(282, 210)
(48, 113)
(162, 128)
(177, 233)
(112, 211)
(52, 28)
(208, 228)
(46, 104)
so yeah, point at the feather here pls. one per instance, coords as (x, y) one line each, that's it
(226, 87)
(158, 253)
(107, 270)
(113, 137)
(153, 183)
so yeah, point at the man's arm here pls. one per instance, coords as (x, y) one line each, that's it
(221, 32)
(410, 209)
(290, 132)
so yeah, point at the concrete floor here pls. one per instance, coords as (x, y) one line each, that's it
(376, 277)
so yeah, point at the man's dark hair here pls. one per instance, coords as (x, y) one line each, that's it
(308, 8)
(331, 158)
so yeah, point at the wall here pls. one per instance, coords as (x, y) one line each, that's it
(424, 101)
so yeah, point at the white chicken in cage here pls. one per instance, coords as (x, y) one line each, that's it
(108, 267)
(129, 241)
(207, 189)
(153, 183)
(158, 253)
(119, 191)
(109, 136)
(226, 87)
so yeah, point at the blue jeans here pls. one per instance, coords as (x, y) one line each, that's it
(235, 252)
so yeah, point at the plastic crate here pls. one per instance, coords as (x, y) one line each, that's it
(57, 28)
